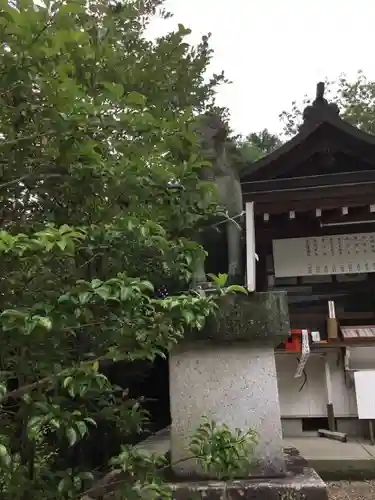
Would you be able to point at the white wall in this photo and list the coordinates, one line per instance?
(362, 357)
(312, 400)
(292, 402)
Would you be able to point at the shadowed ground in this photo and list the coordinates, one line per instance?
(345, 490)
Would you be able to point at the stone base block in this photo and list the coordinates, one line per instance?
(300, 483)
(307, 486)
(232, 385)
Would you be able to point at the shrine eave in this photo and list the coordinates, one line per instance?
(312, 138)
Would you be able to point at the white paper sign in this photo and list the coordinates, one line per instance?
(365, 392)
(324, 255)
(305, 354)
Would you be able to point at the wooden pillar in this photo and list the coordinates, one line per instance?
(250, 247)
(330, 409)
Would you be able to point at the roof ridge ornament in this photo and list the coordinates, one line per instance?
(320, 88)
(320, 110)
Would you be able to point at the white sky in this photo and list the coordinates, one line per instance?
(275, 51)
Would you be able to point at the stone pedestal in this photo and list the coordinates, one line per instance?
(227, 373)
(235, 385)
(300, 483)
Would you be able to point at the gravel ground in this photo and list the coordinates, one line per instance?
(347, 490)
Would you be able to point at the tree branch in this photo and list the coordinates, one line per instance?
(25, 138)
(111, 481)
(25, 177)
(21, 391)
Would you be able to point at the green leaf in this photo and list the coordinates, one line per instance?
(54, 423)
(96, 283)
(83, 388)
(45, 322)
(72, 8)
(84, 297)
(136, 98)
(81, 428)
(65, 298)
(71, 390)
(125, 293)
(62, 244)
(116, 89)
(34, 426)
(86, 475)
(219, 280)
(90, 420)
(188, 316)
(67, 382)
(64, 484)
(5, 458)
(7, 15)
(147, 285)
(236, 288)
(3, 390)
(13, 312)
(104, 292)
(71, 435)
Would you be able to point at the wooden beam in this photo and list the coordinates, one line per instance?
(311, 201)
(330, 408)
(305, 224)
(250, 247)
(337, 193)
(311, 181)
(371, 431)
(337, 436)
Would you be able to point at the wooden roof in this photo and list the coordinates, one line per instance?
(322, 132)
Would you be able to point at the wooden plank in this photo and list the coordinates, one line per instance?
(310, 199)
(371, 431)
(319, 347)
(301, 226)
(337, 436)
(330, 409)
(331, 417)
(312, 181)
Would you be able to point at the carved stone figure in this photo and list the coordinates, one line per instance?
(213, 135)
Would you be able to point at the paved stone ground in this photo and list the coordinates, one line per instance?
(313, 449)
(346, 490)
(316, 448)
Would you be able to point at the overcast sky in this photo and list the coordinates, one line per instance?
(276, 51)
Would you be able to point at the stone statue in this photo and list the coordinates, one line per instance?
(213, 135)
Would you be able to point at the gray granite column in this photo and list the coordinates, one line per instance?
(227, 372)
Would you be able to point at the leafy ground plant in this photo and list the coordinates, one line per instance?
(224, 453)
(221, 453)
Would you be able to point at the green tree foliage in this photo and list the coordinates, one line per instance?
(247, 150)
(355, 98)
(90, 111)
(264, 142)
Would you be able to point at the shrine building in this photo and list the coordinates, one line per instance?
(310, 221)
